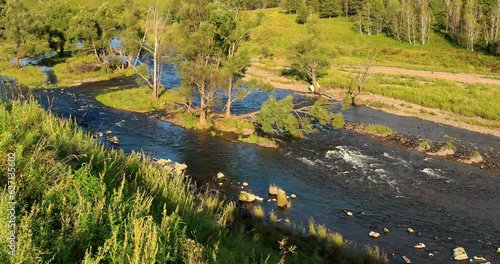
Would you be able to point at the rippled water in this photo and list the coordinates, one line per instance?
(331, 171)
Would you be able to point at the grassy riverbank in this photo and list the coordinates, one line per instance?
(78, 201)
(64, 72)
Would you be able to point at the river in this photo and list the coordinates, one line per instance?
(447, 203)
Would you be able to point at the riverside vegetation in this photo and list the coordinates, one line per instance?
(78, 201)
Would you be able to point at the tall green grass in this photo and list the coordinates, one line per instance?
(80, 202)
(278, 33)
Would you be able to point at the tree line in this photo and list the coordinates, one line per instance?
(469, 23)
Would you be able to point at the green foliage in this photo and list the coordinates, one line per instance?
(234, 124)
(379, 130)
(57, 14)
(302, 14)
(261, 141)
(23, 31)
(275, 117)
(279, 117)
(319, 112)
(310, 56)
(330, 8)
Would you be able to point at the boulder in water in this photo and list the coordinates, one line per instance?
(244, 184)
(374, 234)
(419, 246)
(273, 189)
(246, 197)
(293, 196)
(479, 259)
(460, 254)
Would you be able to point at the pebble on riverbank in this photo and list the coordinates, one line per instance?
(460, 254)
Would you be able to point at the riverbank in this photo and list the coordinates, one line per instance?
(108, 197)
(383, 103)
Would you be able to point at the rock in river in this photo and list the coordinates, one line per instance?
(460, 254)
(374, 234)
(419, 246)
(220, 175)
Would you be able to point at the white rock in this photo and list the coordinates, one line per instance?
(386, 230)
(287, 220)
(293, 196)
(406, 259)
(220, 175)
(258, 198)
(220, 183)
(374, 234)
(498, 250)
(419, 245)
(108, 132)
(479, 259)
(459, 254)
(274, 199)
(349, 213)
(409, 230)
(430, 254)
(245, 184)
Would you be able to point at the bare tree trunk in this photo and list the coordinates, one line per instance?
(229, 97)
(203, 106)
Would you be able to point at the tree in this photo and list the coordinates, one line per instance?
(282, 118)
(310, 57)
(95, 28)
(131, 32)
(57, 14)
(470, 23)
(203, 49)
(302, 14)
(329, 9)
(22, 29)
(291, 6)
(358, 79)
(236, 62)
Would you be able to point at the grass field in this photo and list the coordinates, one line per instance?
(279, 32)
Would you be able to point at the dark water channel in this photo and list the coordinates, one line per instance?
(449, 203)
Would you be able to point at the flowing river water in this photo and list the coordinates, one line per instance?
(447, 203)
